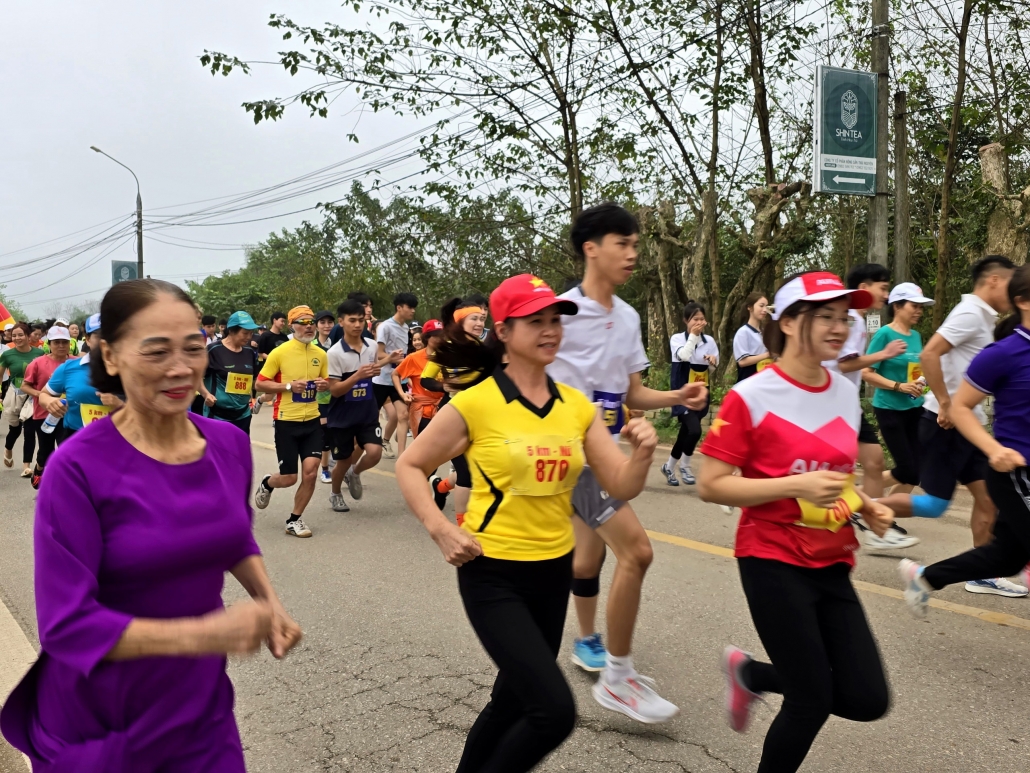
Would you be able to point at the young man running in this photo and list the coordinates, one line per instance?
(602, 355)
(355, 434)
(948, 458)
(325, 322)
(231, 369)
(392, 337)
(295, 372)
(874, 279)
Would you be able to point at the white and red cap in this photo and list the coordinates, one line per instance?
(818, 286)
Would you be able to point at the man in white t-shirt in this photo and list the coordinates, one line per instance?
(391, 338)
(948, 458)
(602, 355)
(853, 360)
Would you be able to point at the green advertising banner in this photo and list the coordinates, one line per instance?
(122, 271)
(845, 132)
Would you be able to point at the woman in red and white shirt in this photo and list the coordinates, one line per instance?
(792, 430)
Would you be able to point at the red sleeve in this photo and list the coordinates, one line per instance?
(729, 438)
(30, 374)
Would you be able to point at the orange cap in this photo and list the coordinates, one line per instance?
(299, 312)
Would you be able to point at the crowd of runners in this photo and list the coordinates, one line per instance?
(505, 416)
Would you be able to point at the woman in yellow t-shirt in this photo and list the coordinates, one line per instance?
(526, 440)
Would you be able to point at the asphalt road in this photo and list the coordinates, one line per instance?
(389, 676)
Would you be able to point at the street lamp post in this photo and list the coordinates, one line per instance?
(139, 213)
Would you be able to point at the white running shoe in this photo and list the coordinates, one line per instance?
(636, 698)
(257, 408)
(892, 540)
(998, 586)
(353, 481)
(388, 450)
(917, 589)
(297, 528)
(263, 494)
(728, 509)
(325, 476)
(338, 503)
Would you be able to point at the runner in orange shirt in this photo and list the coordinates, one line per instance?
(421, 401)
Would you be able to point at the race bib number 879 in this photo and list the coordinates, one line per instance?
(544, 465)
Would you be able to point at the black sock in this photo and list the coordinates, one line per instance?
(264, 482)
(293, 517)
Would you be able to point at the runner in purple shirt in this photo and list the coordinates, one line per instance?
(137, 521)
(1002, 369)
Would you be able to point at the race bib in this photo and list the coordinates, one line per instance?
(307, 395)
(915, 370)
(90, 413)
(763, 364)
(361, 391)
(239, 383)
(695, 376)
(544, 465)
(611, 410)
(831, 518)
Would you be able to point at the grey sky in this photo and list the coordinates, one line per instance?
(125, 77)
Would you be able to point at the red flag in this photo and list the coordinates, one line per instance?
(5, 317)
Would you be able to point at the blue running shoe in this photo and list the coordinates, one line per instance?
(670, 475)
(998, 586)
(589, 653)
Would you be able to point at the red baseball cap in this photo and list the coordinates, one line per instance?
(432, 326)
(525, 294)
(818, 286)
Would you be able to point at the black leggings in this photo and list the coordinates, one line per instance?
(462, 474)
(517, 609)
(28, 448)
(47, 441)
(900, 430)
(689, 434)
(1008, 552)
(824, 658)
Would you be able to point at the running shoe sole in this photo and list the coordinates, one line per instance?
(578, 662)
(262, 496)
(354, 485)
(610, 702)
(970, 588)
(292, 533)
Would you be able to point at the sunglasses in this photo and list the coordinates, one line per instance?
(307, 321)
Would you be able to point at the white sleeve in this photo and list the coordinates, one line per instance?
(959, 327)
(740, 347)
(687, 350)
(336, 364)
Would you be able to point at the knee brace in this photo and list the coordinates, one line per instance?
(926, 506)
(586, 589)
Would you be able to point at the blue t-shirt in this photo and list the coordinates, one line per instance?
(72, 380)
(1002, 369)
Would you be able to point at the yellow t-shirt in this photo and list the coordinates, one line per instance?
(293, 361)
(525, 462)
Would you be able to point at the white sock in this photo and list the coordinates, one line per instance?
(685, 463)
(618, 669)
(671, 464)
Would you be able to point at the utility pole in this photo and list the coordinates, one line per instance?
(139, 212)
(902, 226)
(881, 62)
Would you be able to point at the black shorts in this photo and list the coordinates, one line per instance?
(948, 459)
(384, 392)
(344, 438)
(297, 439)
(867, 432)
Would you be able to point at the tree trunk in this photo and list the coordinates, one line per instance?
(943, 235)
(1007, 232)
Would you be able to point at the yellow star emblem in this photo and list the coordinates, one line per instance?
(537, 282)
(717, 425)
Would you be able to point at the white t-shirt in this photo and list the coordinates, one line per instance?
(703, 345)
(969, 328)
(853, 347)
(393, 335)
(600, 350)
(747, 342)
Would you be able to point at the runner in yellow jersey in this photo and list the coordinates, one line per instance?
(526, 439)
(295, 372)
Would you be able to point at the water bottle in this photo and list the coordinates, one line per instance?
(50, 422)
(922, 383)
